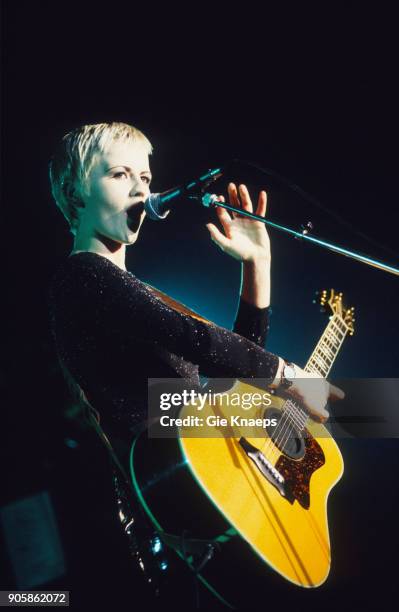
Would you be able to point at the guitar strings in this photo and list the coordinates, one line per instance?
(271, 447)
(288, 418)
(285, 422)
(293, 417)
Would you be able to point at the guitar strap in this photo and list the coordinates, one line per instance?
(90, 415)
(195, 552)
(94, 421)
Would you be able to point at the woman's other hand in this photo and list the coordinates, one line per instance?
(311, 390)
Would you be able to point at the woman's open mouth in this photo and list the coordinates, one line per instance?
(134, 215)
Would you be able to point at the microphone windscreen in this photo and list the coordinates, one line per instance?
(155, 208)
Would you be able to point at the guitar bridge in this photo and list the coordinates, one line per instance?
(267, 469)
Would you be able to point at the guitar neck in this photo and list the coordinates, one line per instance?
(327, 348)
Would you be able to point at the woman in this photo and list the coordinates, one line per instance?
(111, 330)
(103, 315)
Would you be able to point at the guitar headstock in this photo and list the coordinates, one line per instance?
(330, 300)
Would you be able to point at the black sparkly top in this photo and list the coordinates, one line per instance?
(113, 332)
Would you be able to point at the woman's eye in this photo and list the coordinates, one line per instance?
(146, 179)
(118, 175)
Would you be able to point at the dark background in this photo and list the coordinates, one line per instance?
(311, 96)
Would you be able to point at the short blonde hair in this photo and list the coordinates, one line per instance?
(74, 157)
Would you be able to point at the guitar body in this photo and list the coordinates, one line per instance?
(210, 488)
(289, 535)
(258, 493)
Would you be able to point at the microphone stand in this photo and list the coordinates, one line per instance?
(210, 201)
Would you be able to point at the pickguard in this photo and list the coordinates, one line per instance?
(297, 474)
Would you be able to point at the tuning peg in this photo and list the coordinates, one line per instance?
(306, 228)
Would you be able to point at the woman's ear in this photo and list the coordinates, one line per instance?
(73, 196)
(77, 202)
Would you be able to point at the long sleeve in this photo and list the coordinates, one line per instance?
(252, 322)
(122, 308)
(113, 333)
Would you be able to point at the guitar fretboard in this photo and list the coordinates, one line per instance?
(320, 361)
(323, 356)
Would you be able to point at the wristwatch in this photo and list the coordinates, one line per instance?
(288, 375)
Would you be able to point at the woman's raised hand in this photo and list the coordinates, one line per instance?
(244, 239)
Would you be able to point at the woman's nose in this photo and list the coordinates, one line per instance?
(137, 188)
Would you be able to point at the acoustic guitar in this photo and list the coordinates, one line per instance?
(259, 496)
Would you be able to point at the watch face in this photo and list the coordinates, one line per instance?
(289, 372)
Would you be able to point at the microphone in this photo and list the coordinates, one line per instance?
(158, 205)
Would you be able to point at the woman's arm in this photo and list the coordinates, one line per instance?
(248, 241)
(255, 282)
(111, 303)
(252, 322)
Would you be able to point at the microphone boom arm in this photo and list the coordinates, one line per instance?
(211, 201)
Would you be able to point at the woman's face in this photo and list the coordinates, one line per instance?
(118, 185)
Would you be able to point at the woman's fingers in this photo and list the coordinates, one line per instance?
(321, 416)
(217, 236)
(242, 199)
(233, 195)
(245, 199)
(223, 214)
(262, 204)
(235, 200)
(336, 393)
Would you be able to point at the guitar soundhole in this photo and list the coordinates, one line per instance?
(285, 435)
